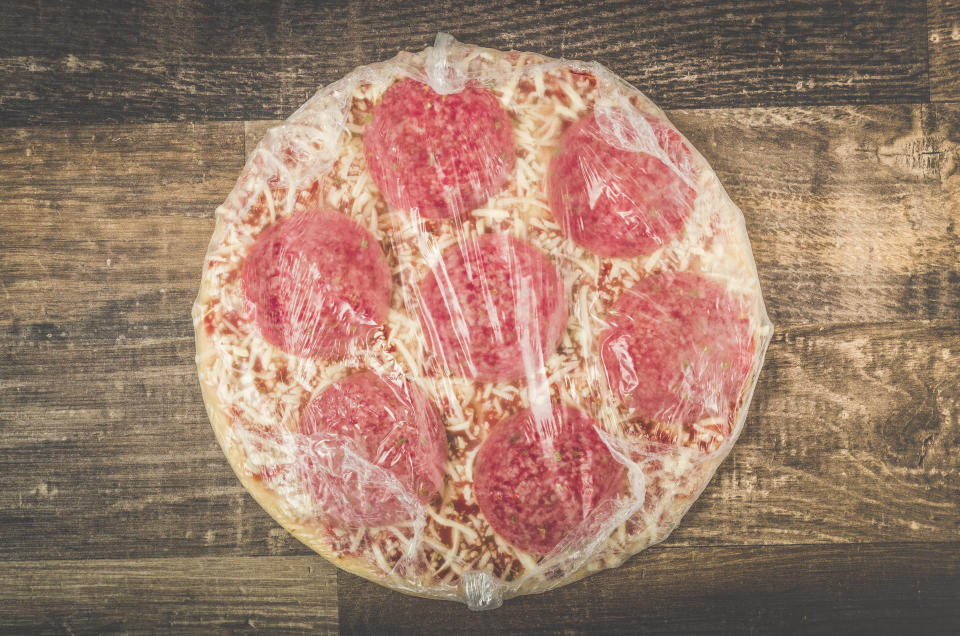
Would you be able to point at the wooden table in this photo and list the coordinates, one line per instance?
(835, 125)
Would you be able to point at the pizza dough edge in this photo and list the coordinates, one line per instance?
(313, 538)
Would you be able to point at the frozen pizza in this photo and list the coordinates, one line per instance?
(474, 324)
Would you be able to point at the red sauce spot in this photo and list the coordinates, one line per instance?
(445, 533)
(464, 509)
(208, 323)
(269, 474)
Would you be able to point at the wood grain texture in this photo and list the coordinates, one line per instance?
(115, 62)
(853, 212)
(852, 437)
(101, 408)
(119, 462)
(852, 434)
(855, 589)
(181, 170)
(943, 20)
(201, 595)
(109, 223)
(103, 231)
(838, 510)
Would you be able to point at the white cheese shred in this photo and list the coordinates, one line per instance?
(263, 390)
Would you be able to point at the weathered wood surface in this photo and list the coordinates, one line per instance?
(943, 20)
(101, 390)
(124, 327)
(852, 437)
(198, 595)
(119, 62)
(853, 212)
(838, 510)
(840, 589)
(110, 221)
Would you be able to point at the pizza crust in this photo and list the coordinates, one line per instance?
(309, 535)
(479, 588)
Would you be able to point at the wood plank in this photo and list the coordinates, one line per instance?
(108, 449)
(943, 20)
(814, 184)
(201, 595)
(853, 212)
(853, 589)
(182, 170)
(98, 376)
(109, 220)
(115, 62)
(123, 277)
(852, 437)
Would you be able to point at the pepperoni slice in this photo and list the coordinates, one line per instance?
(443, 155)
(678, 349)
(618, 202)
(393, 428)
(317, 282)
(538, 481)
(493, 309)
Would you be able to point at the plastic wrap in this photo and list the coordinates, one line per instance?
(474, 324)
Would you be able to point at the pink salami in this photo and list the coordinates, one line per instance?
(317, 283)
(617, 201)
(678, 349)
(494, 309)
(442, 155)
(538, 481)
(359, 432)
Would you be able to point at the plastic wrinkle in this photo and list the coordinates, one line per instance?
(386, 429)
(489, 300)
(475, 324)
(443, 74)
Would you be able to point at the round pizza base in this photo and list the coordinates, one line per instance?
(489, 591)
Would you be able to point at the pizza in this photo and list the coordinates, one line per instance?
(474, 324)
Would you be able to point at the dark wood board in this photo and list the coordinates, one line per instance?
(198, 595)
(853, 211)
(838, 135)
(943, 18)
(120, 62)
(124, 328)
(848, 589)
(851, 438)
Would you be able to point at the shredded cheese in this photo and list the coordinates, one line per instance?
(265, 388)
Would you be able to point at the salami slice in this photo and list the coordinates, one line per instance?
(372, 448)
(678, 349)
(317, 282)
(538, 481)
(442, 155)
(617, 201)
(494, 309)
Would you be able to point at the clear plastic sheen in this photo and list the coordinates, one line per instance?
(475, 324)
